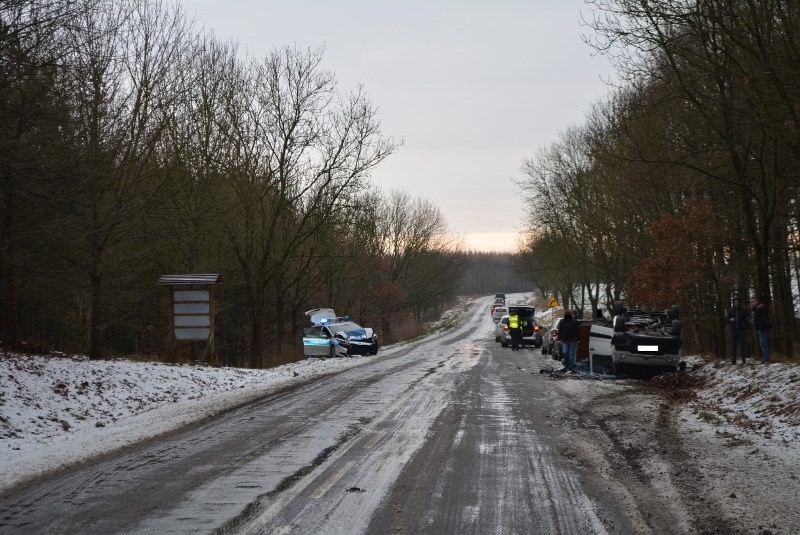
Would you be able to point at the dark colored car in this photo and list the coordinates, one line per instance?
(531, 331)
(647, 339)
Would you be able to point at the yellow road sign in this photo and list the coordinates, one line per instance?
(552, 302)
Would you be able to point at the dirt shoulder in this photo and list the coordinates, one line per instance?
(677, 456)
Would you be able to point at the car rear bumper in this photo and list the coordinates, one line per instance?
(644, 359)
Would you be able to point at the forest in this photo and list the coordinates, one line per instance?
(682, 186)
(133, 145)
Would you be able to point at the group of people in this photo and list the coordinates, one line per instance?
(740, 321)
(569, 332)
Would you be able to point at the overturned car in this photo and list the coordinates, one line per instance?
(650, 340)
(336, 336)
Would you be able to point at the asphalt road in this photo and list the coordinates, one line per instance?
(452, 434)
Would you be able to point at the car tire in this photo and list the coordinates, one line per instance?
(503, 344)
(675, 329)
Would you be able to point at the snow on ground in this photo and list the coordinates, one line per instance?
(56, 411)
(60, 410)
(764, 399)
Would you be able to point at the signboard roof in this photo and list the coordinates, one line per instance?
(190, 279)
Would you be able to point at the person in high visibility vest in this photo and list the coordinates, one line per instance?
(515, 330)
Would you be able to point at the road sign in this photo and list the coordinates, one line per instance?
(552, 302)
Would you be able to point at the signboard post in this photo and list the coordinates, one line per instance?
(191, 309)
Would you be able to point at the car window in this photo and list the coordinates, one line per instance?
(314, 332)
(504, 321)
(347, 326)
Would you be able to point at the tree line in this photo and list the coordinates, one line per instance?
(681, 186)
(133, 145)
(487, 273)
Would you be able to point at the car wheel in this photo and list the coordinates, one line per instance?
(503, 344)
(675, 329)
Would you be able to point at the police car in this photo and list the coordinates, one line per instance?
(336, 336)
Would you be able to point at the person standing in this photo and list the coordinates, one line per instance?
(762, 324)
(739, 320)
(515, 330)
(569, 331)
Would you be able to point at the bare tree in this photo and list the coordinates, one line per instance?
(734, 65)
(122, 86)
(301, 150)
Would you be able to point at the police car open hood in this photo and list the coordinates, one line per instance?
(357, 334)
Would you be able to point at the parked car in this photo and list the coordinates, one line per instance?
(501, 332)
(496, 304)
(336, 336)
(498, 313)
(550, 345)
(531, 330)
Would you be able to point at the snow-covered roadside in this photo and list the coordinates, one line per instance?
(56, 411)
(740, 433)
(764, 400)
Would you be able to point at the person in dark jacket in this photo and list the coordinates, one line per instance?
(739, 319)
(569, 331)
(762, 324)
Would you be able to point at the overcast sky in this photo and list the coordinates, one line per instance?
(472, 87)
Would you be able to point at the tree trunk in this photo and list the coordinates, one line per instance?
(782, 306)
(257, 349)
(96, 317)
(10, 325)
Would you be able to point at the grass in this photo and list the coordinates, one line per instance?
(710, 417)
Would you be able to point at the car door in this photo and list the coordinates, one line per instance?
(327, 335)
(313, 343)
